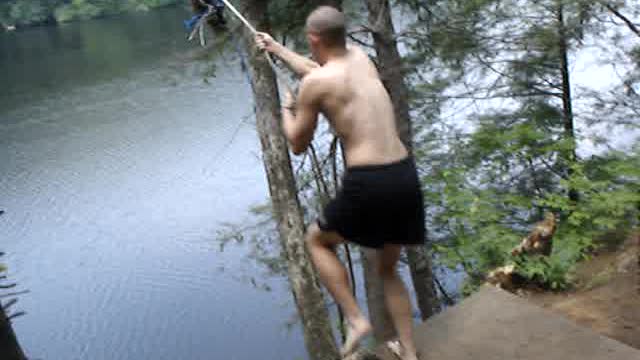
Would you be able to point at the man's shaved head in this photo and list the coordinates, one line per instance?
(329, 24)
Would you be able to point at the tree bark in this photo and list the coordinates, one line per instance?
(393, 76)
(383, 328)
(423, 282)
(567, 106)
(304, 283)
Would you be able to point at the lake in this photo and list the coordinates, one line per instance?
(119, 165)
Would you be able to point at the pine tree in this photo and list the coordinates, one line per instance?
(492, 174)
(9, 346)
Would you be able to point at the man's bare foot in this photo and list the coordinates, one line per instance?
(355, 332)
(398, 350)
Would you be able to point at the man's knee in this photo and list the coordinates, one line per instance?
(388, 261)
(317, 237)
(386, 270)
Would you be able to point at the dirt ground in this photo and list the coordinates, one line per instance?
(606, 297)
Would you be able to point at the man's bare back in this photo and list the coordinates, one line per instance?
(379, 204)
(348, 91)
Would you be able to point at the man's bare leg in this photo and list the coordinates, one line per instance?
(397, 300)
(333, 276)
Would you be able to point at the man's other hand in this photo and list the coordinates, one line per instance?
(264, 41)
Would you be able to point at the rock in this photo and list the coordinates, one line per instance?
(502, 277)
(626, 261)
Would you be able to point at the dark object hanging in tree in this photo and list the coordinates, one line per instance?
(212, 9)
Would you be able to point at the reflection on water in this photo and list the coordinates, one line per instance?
(117, 165)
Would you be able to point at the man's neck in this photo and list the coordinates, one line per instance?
(335, 54)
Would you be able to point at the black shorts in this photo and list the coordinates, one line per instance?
(377, 205)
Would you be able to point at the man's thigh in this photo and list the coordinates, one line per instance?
(317, 236)
(388, 258)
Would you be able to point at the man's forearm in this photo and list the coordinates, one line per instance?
(288, 127)
(287, 123)
(301, 65)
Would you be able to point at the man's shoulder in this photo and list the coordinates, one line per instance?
(319, 79)
(355, 49)
(319, 75)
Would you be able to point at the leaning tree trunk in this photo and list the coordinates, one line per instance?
(393, 77)
(304, 283)
(9, 346)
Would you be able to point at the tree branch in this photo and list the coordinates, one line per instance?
(13, 316)
(626, 20)
(447, 299)
(9, 304)
(359, 42)
(14, 294)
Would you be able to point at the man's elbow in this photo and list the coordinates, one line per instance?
(308, 67)
(298, 149)
(298, 146)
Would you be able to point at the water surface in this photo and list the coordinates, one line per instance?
(118, 165)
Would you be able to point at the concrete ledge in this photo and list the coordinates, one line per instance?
(496, 325)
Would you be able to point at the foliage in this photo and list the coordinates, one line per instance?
(477, 225)
(24, 12)
(553, 272)
(490, 172)
(77, 10)
(489, 100)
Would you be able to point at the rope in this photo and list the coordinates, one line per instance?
(237, 14)
(253, 30)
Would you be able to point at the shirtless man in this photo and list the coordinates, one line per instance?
(380, 203)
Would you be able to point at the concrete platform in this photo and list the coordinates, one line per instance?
(496, 325)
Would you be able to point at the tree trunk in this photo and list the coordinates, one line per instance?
(423, 281)
(383, 328)
(567, 107)
(393, 77)
(9, 347)
(304, 283)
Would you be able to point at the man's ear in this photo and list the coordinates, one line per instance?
(314, 39)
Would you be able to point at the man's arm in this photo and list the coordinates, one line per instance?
(299, 127)
(301, 65)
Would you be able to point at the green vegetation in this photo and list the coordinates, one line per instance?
(499, 121)
(30, 12)
(490, 176)
(499, 137)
